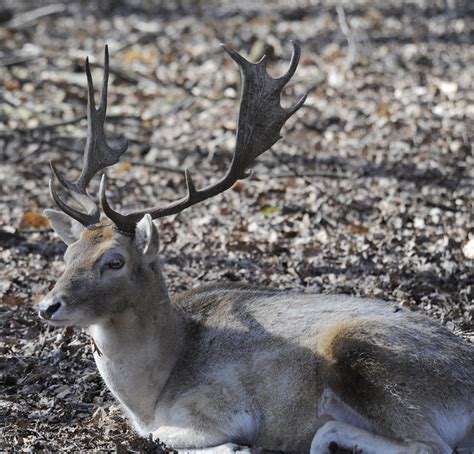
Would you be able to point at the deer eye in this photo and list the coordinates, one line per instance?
(116, 263)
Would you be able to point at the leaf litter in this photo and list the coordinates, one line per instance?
(369, 193)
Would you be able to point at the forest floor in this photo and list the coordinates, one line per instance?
(368, 193)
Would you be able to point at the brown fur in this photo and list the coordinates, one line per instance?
(392, 375)
(100, 232)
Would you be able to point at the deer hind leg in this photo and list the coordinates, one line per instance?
(359, 440)
(348, 430)
(352, 431)
(353, 438)
(363, 398)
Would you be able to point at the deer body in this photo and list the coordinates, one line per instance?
(254, 368)
(234, 364)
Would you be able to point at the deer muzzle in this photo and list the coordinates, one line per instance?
(51, 309)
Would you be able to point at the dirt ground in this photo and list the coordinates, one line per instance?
(369, 192)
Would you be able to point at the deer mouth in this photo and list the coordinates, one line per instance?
(55, 322)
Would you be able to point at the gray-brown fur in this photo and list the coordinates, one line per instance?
(390, 365)
(233, 363)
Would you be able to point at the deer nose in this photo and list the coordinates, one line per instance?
(49, 308)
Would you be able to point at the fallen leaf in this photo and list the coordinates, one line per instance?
(124, 167)
(268, 211)
(238, 186)
(383, 109)
(12, 85)
(359, 229)
(12, 300)
(31, 219)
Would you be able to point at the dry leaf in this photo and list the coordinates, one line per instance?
(12, 300)
(139, 55)
(384, 109)
(31, 219)
(12, 85)
(124, 167)
(238, 186)
(359, 229)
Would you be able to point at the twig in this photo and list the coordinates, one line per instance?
(18, 59)
(296, 174)
(66, 123)
(10, 102)
(51, 125)
(142, 38)
(127, 75)
(352, 50)
(440, 206)
(163, 167)
(31, 17)
(168, 168)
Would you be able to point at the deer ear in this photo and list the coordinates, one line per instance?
(64, 225)
(146, 237)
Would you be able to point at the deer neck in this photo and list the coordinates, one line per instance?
(137, 350)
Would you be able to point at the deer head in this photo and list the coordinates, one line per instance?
(110, 262)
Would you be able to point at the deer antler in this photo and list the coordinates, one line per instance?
(97, 154)
(261, 118)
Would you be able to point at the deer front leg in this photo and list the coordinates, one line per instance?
(207, 416)
(179, 438)
(228, 448)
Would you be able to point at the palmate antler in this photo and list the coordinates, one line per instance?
(261, 118)
(97, 154)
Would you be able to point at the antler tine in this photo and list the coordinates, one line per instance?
(97, 153)
(84, 219)
(105, 83)
(295, 59)
(241, 61)
(125, 223)
(261, 118)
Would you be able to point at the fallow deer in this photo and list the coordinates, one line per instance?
(233, 365)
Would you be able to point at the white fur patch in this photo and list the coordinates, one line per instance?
(453, 427)
(350, 437)
(242, 426)
(146, 236)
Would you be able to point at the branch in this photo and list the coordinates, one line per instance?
(31, 17)
(296, 174)
(163, 167)
(51, 125)
(352, 50)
